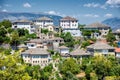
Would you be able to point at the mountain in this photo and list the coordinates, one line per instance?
(30, 16)
(114, 23)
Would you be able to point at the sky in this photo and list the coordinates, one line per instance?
(86, 11)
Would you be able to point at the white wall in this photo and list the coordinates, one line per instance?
(62, 51)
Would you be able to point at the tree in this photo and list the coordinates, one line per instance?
(69, 65)
(69, 41)
(6, 23)
(45, 31)
(110, 37)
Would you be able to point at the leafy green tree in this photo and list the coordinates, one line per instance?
(69, 65)
(110, 37)
(85, 44)
(6, 24)
(45, 31)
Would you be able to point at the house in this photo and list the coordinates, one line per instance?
(43, 21)
(102, 28)
(99, 48)
(79, 53)
(36, 56)
(63, 50)
(117, 52)
(37, 43)
(73, 31)
(69, 24)
(117, 34)
(24, 24)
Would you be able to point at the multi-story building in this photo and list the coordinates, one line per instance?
(102, 28)
(36, 56)
(69, 24)
(43, 22)
(24, 24)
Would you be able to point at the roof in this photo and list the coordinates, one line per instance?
(100, 45)
(68, 18)
(22, 46)
(79, 52)
(117, 50)
(97, 25)
(44, 18)
(23, 20)
(36, 51)
(36, 41)
(63, 47)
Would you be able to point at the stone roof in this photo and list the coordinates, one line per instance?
(36, 51)
(23, 20)
(44, 18)
(63, 47)
(79, 52)
(100, 45)
(36, 41)
(22, 46)
(97, 25)
(67, 18)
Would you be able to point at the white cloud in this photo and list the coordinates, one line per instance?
(91, 5)
(113, 3)
(92, 15)
(7, 5)
(108, 15)
(26, 5)
(4, 10)
(55, 13)
(95, 5)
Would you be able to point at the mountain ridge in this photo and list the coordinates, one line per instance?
(28, 15)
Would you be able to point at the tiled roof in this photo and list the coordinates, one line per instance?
(117, 50)
(78, 52)
(68, 18)
(63, 47)
(36, 40)
(44, 18)
(36, 51)
(24, 20)
(100, 45)
(22, 45)
(97, 25)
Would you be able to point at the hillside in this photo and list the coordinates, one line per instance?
(14, 16)
(114, 23)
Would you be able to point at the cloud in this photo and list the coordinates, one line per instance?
(7, 5)
(55, 13)
(95, 5)
(92, 15)
(113, 3)
(108, 15)
(26, 5)
(4, 10)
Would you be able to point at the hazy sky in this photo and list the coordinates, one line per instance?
(86, 11)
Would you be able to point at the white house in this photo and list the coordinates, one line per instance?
(43, 21)
(36, 56)
(102, 28)
(63, 50)
(24, 24)
(68, 22)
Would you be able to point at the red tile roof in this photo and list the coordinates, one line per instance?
(117, 50)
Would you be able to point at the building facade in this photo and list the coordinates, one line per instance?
(24, 24)
(43, 22)
(68, 22)
(36, 56)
